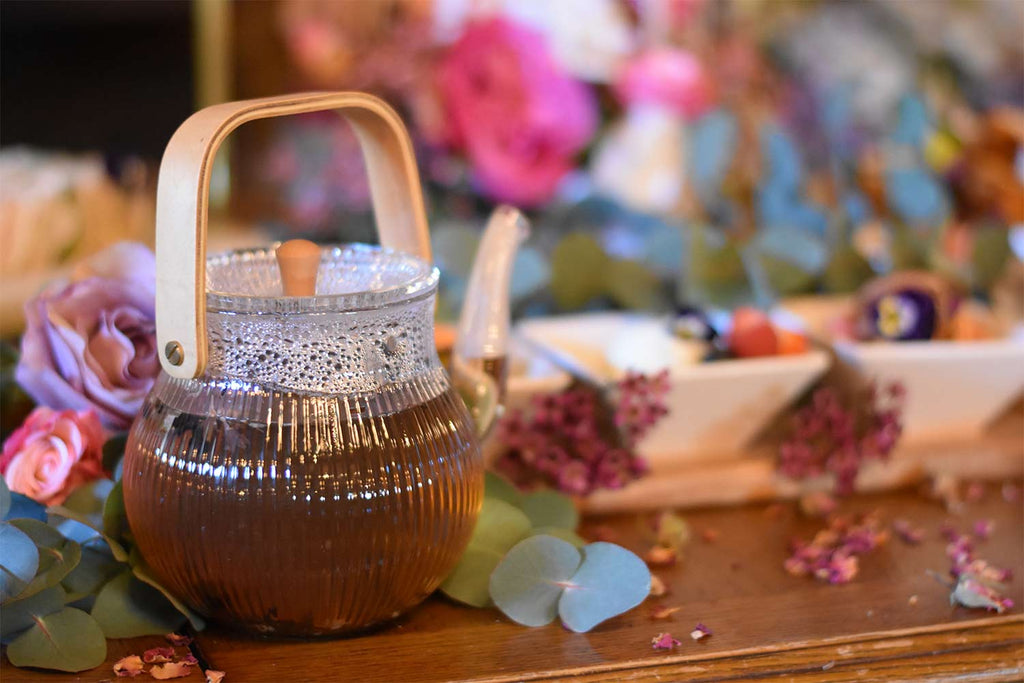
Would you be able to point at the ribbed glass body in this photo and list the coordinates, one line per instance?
(322, 476)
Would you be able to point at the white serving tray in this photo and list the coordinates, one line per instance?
(715, 409)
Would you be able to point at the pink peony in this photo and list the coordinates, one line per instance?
(52, 453)
(519, 119)
(666, 77)
(92, 343)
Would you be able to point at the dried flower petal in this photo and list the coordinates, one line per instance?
(664, 641)
(178, 640)
(213, 676)
(660, 556)
(658, 587)
(157, 655)
(831, 556)
(700, 631)
(983, 528)
(907, 533)
(189, 659)
(818, 504)
(975, 492)
(128, 667)
(672, 530)
(163, 672)
(1011, 492)
(709, 535)
(663, 612)
(912, 600)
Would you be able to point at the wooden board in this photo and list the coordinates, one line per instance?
(766, 623)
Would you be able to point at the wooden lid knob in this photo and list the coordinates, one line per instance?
(299, 261)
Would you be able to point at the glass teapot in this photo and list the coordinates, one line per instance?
(304, 465)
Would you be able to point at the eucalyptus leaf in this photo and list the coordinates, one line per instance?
(550, 508)
(495, 486)
(143, 573)
(578, 267)
(23, 507)
(126, 608)
(88, 499)
(96, 568)
(19, 562)
(119, 552)
(528, 583)
(633, 285)
(68, 640)
(113, 451)
(19, 615)
(57, 555)
(564, 534)
(5, 498)
(611, 580)
(115, 522)
(499, 527)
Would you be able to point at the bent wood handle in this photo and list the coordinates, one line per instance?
(183, 190)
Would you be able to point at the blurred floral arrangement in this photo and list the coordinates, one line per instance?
(688, 151)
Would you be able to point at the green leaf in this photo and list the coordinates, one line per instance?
(528, 583)
(847, 271)
(115, 521)
(991, 251)
(20, 614)
(23, 507)
(57, 555)
(564, 534)
(611, 580)
(113, 451)
(97, 567)
(550, 508)
(127, 608)
(143, 573)
(68, 640)
(19, 563)
(578, 268)
(89, 499)
(5, 498)
(633, 285)
(499, 527)
(785, 278)
(495, 486)
(119, 552)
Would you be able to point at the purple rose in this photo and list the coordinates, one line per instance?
(92, 343)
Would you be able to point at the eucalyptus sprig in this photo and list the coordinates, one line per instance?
(70, 578)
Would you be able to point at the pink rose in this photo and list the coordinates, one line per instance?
(92, 343)
(52, 453)
(667, 77)
(519, 119)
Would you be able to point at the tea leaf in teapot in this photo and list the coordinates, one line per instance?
(547, 508)
(578, 268)
(495, 486)
(499, 527)
(144, 574)
(19, 563)
(611, 580)
(57, 555)
(21, 614)
(68, 640)
(528, 583)
(565, 534)
(126, 608)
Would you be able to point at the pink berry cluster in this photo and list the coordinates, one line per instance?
(828, 437)
(579, 440)
(978, 584)
(832, 555)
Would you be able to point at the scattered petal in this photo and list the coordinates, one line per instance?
(912, 600)
(663, 612)
(907, 533)
(975, 492)
(163, 672)
(700, 631)
(128, 667)
(832, 555)
(946, 488)
(178, 640)
(213, 676)
(1011, 492)
(827, 666)
(658, 587)
(158, 655)
(672, 530)
(664, 641)
(660, 556)
(983, 529)
(818, 504)
(189, 659)
(709, 535)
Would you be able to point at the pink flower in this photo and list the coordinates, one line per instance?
(667, 77)
(92, 343)
(519, 119)
(52, 453)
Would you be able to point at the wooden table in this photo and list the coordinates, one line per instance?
(766, 623)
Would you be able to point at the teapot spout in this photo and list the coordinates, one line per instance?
(479, 359)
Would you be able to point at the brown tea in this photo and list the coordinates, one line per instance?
(334, 514)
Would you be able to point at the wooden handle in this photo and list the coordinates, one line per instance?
(183, 191)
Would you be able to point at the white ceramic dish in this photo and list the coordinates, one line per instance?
(715, 408)
(954, 388)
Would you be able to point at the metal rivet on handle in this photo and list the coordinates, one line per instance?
(174, 353)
